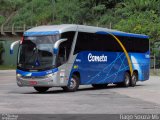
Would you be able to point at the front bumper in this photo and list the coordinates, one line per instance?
(44, 81)
(48, 78)
(32, 81)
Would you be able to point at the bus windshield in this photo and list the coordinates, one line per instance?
(36, 53)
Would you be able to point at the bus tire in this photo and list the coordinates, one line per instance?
(99, 86)
(134, 79)
(41, 89)
(127, 79)
(73, 85)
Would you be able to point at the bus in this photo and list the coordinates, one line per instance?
(70, 55)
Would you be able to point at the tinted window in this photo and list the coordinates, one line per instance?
(68, 44)
(95, 42)
(65, 47)
(99, 42)
(133, 44)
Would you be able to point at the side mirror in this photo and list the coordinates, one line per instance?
(12, 46)
(56, 45)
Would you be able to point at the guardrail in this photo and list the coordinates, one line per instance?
(13, 29)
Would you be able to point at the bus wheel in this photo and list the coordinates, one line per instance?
(99, 86)
(73, 84)
(41, 89)
(127, 78)
(134, 79)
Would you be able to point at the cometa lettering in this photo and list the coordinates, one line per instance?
(92, 58)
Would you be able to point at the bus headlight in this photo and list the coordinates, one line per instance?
(19, 75)
(50, 75)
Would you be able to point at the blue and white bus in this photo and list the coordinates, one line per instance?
(70, 55)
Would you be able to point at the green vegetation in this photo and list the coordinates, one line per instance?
(2, 19)
(1, 52)
(154, 72)
(7, 67)
(137, 16)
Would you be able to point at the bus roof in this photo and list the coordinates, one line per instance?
(58, 29)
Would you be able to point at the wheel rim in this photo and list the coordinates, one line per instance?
(134, 79)
(72, 83)
(127, 80)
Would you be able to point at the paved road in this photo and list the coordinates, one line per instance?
(144, 98)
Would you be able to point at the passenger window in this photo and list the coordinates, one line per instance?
(62, 54)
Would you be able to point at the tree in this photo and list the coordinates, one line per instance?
(143, 23)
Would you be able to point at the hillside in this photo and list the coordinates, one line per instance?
(137, 16)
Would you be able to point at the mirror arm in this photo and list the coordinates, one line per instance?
(12, 46)
(56, 45)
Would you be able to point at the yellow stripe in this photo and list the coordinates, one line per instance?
(125, 51)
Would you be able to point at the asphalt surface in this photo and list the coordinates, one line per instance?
(144, 98)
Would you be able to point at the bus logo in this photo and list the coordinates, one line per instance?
(92, 58)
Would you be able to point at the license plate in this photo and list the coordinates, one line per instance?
(33, 82)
